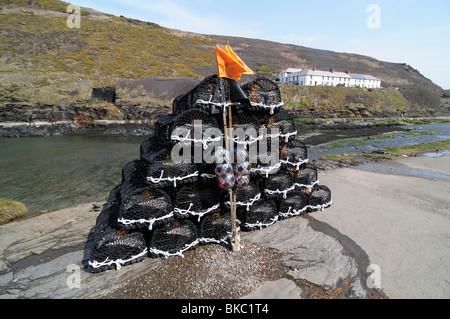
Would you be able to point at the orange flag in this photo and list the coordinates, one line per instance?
(229, 65)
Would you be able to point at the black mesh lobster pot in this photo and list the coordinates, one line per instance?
(168, 173)
(145, 208)
(319, 198)
(281, 123)
(261, 215)
(245, 130)
(186, 122)
(215, 228)
(205, 95)
(306, 176)
(133, 170)
(293, 205)
(246, 196)
(264, 95)
(154, 149)
(278, 185)
(293, 154)
(192, 201)
(174, 238)
(113, 246)
(163, 127)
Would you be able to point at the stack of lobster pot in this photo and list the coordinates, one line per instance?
(175, 196)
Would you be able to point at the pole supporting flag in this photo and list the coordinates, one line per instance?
(230, 66)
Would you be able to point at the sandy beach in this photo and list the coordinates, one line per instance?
(402, 223)
(399, 222)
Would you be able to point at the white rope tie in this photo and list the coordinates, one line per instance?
(250, 141)
(222, 105)
(301, 211)
(178, 253)
(261, 224)
(296, 164)
(271, 107)
(199, 214)
(249, 203)
(286, 136)
(170, 179)
(150, 221)
(118, 262)
(206, 175)
(266, 170)
(204, 142)
(291, 188)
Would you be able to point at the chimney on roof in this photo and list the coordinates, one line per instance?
(332, 70)
(346, 71)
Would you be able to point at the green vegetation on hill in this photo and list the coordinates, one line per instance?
(343, 101)
(44, 62)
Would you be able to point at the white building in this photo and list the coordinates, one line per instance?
(328, 78)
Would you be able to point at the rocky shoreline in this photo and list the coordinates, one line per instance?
(118, 119)
(141, 126)
(71, 128)
(321, 255)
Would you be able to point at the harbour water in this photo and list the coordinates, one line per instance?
(48, 173)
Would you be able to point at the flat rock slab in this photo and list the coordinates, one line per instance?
(46, 257)
(278, 289)
(310, 255)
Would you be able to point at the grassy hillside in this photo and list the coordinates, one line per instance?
(42, 61)
(343, 102)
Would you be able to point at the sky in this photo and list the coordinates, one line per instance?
(415, 32)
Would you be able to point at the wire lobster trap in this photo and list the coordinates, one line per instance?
(293, 154)
(215, 228)
(279, 185)
(133, 170)
(154, 149)
(261, 215)
(171, 174)
(114, 247)
(246, 196)
(174, 238)
(145, 208)
(195, 127)
(281, 125)
(306, 176)
(293, 205)
(205, 95)
(245, 130)
(319, 198)
(163, 127)
(192, 201)
(264, 95)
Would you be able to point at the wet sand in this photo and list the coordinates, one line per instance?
(402, 222)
